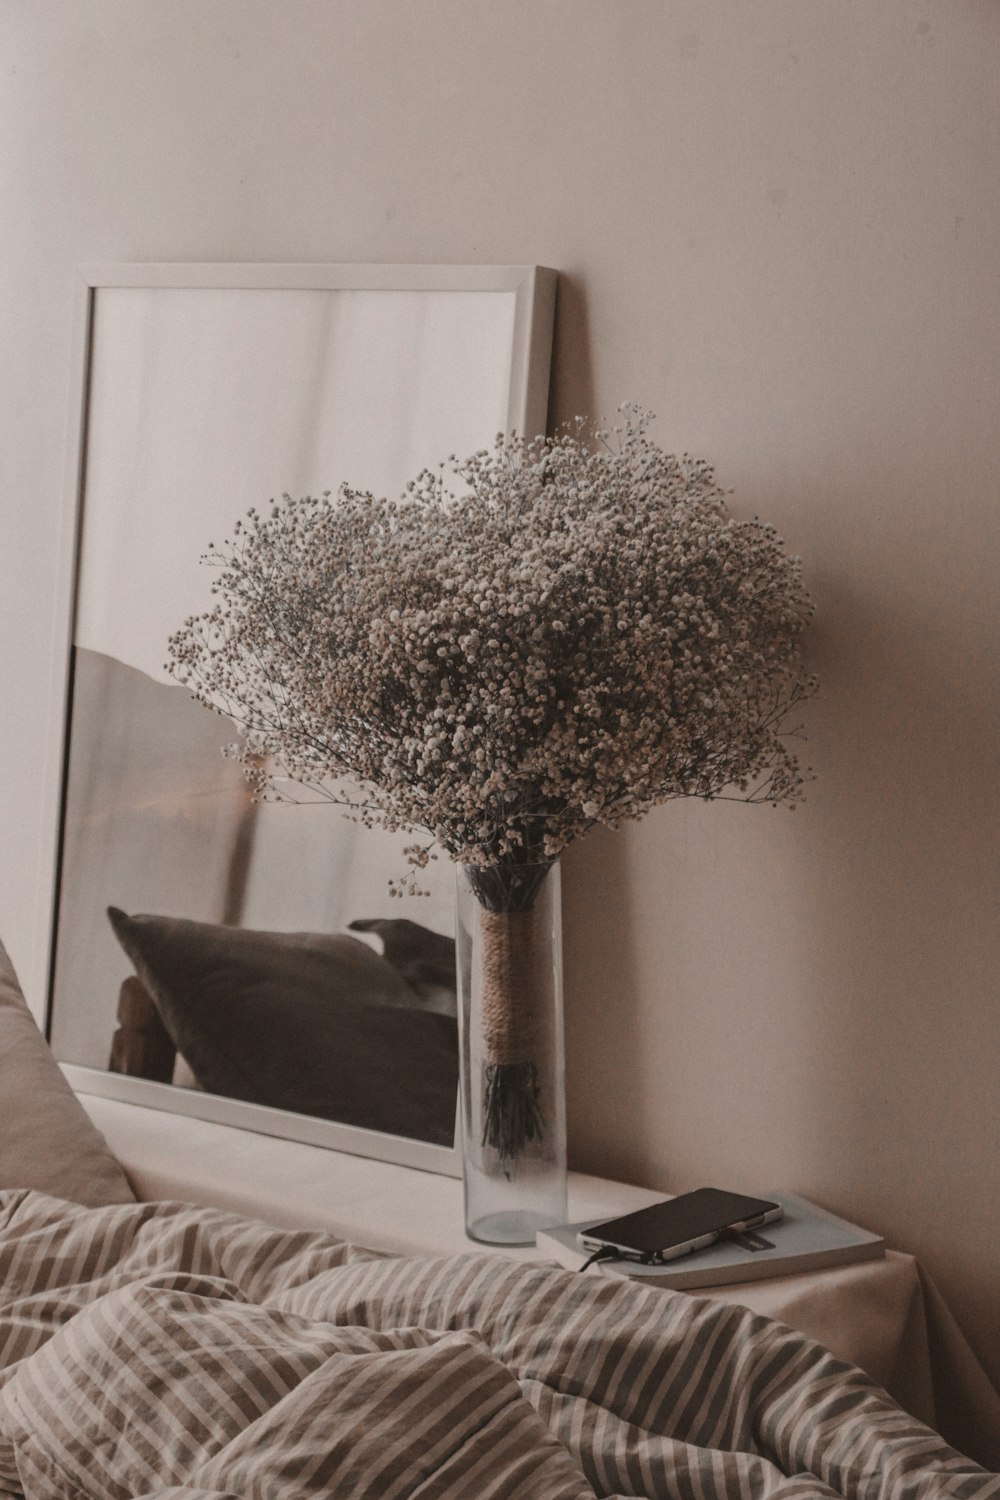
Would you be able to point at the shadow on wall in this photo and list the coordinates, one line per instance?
(904, 910)
(571, 384)
(603, 1031)
(603, 1024)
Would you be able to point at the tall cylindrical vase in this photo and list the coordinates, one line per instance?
(512, 1071)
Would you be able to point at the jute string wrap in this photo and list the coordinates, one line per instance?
(512, 969)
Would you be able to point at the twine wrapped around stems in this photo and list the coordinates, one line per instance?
(510, 968)
(515, 970)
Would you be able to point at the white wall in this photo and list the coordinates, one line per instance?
(776, 227)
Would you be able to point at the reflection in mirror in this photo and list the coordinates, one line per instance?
(203, 942)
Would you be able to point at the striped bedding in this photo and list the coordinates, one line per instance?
(159, 1350)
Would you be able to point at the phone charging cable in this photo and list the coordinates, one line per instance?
(606, 1252)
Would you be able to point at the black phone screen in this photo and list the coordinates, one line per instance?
(705, 1211)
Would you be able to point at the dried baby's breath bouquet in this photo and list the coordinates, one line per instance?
(577, 632)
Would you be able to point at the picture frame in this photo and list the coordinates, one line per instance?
(198, 390)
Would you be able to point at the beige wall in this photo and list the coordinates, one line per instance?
(777, 227)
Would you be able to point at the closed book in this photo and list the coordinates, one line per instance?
(806, 1238)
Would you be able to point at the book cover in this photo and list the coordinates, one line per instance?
(807, 1238)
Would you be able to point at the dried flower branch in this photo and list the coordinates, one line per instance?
(580, 633)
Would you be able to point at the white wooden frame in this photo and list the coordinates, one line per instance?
(534, 289)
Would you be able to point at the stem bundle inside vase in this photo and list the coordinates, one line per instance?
(515, 970)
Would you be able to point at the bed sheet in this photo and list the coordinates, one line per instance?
(160, 1350)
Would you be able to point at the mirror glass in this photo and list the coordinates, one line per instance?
(241, 960)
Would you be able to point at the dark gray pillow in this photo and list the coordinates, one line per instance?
(425, 959)
(47, 1141)
(320, 1025)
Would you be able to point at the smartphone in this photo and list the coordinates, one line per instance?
(674, 1228)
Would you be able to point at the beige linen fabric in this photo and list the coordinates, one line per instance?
(871, 1314)
(888, 1317)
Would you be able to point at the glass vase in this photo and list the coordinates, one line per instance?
(512, 1070)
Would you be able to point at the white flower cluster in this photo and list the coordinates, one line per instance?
(577, 634)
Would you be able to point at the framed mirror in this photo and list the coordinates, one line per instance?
(204, 953)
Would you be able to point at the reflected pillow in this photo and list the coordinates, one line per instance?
(425, 959)
(321, 1025)
(47, 1141)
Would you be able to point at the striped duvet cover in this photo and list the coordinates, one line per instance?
(158, 1350)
